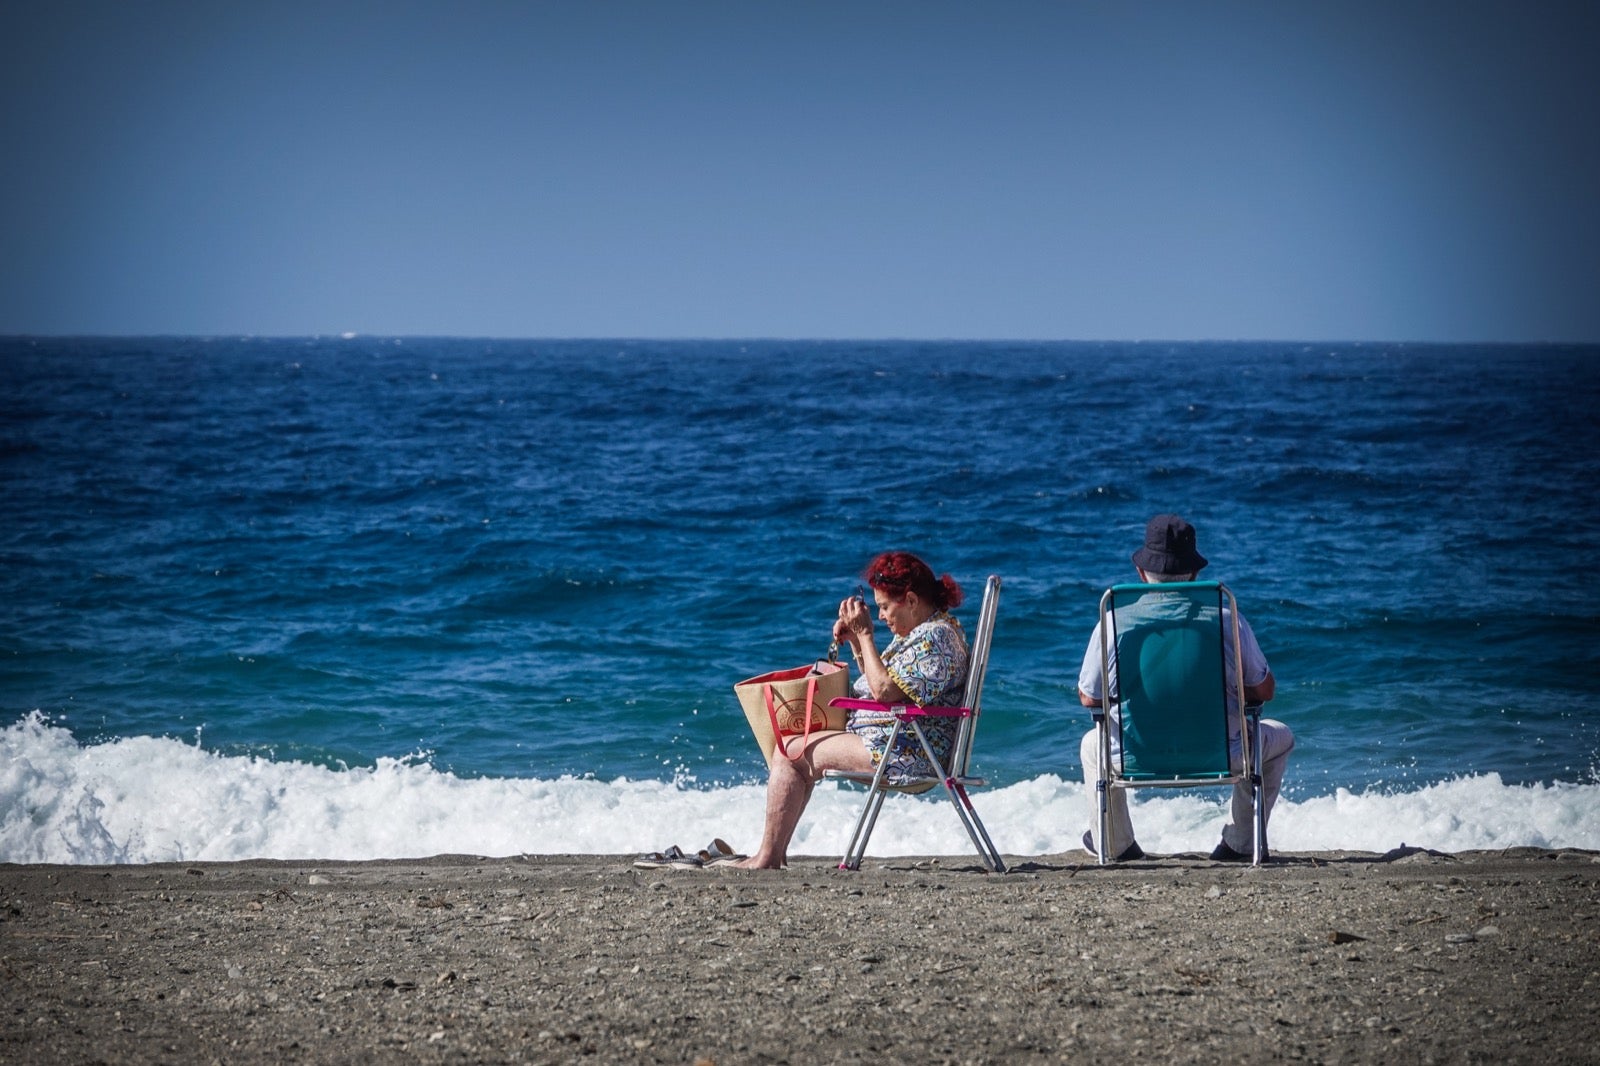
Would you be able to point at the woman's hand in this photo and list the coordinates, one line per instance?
(854, 623)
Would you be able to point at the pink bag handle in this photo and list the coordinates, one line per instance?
(772, 716)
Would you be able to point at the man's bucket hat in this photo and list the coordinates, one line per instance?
(1169, 547)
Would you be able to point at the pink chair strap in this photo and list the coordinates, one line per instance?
(899, 710)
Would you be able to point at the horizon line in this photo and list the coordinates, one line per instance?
(349, 335)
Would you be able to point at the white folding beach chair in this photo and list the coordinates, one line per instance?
(1176, 702)
(955, 779)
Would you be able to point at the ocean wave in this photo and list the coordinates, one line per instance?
(147, 799)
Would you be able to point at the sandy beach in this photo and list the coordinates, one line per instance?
(1413, 956)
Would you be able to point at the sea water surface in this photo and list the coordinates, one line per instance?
(365, 597)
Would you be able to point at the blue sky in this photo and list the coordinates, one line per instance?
(1378, 171)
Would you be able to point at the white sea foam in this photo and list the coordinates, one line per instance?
(141, 799)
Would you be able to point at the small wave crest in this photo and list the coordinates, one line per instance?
(146, 799)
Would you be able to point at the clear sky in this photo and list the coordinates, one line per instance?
(1341, 170)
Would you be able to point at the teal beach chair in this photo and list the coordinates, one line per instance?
(1174, 693)
(956, 779)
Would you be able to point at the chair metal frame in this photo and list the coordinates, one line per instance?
(955, 779)
(1248, 715)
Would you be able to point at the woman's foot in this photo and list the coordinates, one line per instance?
(759, 862)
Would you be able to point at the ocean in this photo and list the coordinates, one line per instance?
(368, 597)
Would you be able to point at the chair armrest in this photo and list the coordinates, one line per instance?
(899, 710)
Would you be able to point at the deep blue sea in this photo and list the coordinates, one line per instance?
(352, 597)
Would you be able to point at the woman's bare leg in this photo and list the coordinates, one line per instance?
(789, 785)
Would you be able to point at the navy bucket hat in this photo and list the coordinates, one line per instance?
(1169, 547)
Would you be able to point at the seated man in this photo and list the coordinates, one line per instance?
(1169, 554)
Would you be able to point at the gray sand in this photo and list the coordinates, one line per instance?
(1408, 957)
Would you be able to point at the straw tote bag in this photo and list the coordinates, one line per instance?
(793, 703)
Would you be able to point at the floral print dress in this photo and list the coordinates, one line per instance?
(930, 666)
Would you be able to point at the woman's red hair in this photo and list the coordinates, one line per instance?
(898, 573)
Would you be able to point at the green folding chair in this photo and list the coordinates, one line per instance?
(955, 778)
(1170, 700)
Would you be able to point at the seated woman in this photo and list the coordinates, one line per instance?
(925, 663)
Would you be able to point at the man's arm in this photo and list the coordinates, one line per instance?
(1089, 674)
(1262, 690)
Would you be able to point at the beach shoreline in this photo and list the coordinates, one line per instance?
(1341, 956)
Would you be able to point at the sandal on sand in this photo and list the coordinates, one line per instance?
(674, 857)
(717, 853)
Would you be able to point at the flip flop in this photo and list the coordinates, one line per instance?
(717, 853)
(675, 857)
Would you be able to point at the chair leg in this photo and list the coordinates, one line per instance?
(1102, 786)
(964, 810)
(1257, 800)
(1105, 821)
(974, 826)
(869, 813)
(864, 825)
